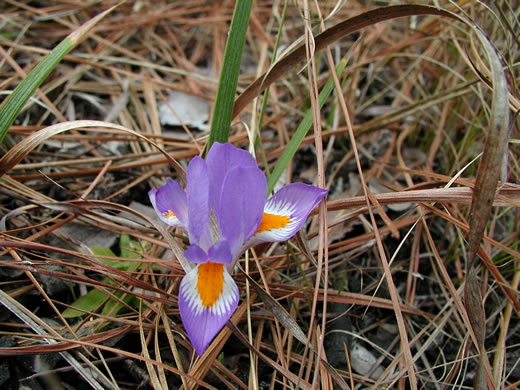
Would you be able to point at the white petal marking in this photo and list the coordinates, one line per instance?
(281, 208)
(221, 306)
(171, 219)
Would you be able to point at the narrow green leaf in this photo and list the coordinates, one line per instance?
(14, 102)
(11, 106)
(108, 253)
(109, 309)
(130, 248)
(301, 132)
(96, 297)
(92, 300)
(87, 303)
(227, 86)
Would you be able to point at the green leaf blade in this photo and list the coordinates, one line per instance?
(14, 103)
(300, 133)
(225, 100)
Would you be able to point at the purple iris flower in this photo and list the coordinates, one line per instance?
(225, 212)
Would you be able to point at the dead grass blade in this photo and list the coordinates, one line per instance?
(326, 38)
(173, 345)
(292, 326)
(488, 174)
(23, 312)
(495, 150)
(506, 196)
(300, 383)
(508, 290)
(322, 268)
(42, 329)
(22, 149)
(154, 376)
(61, 346)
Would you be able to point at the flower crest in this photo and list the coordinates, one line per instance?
(229, 190)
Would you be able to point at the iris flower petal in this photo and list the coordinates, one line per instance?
(220, 252)
(197, 193)
(221, 159)
(195, 254)
(285, 212)
(208, 296)
(169, 202)
(241, 206)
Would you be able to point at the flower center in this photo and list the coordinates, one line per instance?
(210, 283)
(272, 221)
(169, 214)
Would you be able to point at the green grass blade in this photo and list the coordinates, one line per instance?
(227, 85)
(12, 106)
(301, 132)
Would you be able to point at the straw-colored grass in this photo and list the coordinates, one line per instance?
(381, 289)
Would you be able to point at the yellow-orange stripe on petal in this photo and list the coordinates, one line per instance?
(272, 222)
(210, 283)
(169, 214)
(202, 322)
(208, 287)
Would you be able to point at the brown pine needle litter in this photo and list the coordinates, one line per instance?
(406, 277)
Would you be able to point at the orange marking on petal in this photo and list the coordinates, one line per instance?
(272, 221)
(169, 214)
(210, 282)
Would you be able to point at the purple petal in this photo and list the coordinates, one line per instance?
(221, 159)
(241, 206)
(287, 210)
(195, 254)
(197, 191)
(203, 323)
(169, 202)
(220, 252)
